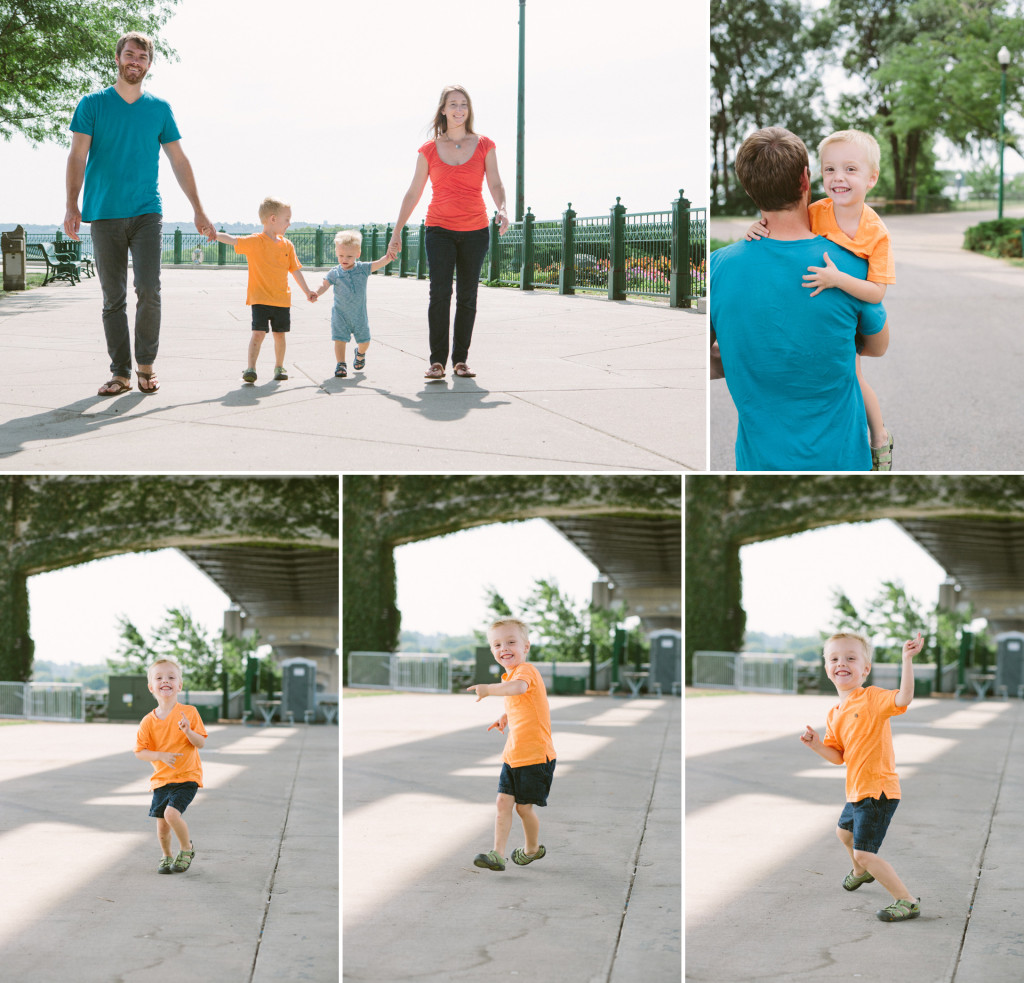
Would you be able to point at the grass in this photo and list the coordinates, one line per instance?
(32, 281)
(692, 692)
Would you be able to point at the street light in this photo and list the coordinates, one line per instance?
(1004, 60)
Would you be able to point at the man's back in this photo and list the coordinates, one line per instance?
(789, 358)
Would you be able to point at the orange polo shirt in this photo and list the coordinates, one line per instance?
(529, 720)
(859, 730)
(872, 241)
(165, 735)
(270, 261)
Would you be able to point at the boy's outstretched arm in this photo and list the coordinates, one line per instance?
(311, 295)
(910, 649)
(829, 275)
(810, 738)
(385, 259)
(514, 687)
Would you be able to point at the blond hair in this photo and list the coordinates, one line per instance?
(271, 206)
(161, 661)
(856, 636)
(501, 622)
(863, 141)
(440, 121)
(347, 237)
(770, 165)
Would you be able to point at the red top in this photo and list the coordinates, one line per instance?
(457, 202)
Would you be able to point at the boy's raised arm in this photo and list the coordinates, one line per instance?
(910, 649)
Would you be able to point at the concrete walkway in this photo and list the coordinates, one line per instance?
(78, 857)
(564, 383)
(764, 870)
(949, 385)
(604, 906)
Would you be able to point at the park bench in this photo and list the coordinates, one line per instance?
(59, 265)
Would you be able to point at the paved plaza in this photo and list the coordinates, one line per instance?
(564, 383)
(764, 869)
(948, 383)
(78, 858)
(420, 781)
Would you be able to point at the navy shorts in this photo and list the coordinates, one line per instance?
(868, 820)
(279, 318)
(176, 794)
(530, 784)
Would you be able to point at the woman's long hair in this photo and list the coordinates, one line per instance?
(439, 122)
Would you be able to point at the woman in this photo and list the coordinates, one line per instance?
(456, 160)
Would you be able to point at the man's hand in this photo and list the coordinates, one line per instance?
(481, 690)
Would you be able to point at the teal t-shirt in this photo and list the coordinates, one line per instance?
(124, 157)
(789, 358)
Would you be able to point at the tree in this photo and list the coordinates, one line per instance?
(202, 658)
(759, 77)
(53, 52)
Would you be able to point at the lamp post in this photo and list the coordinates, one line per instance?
(1004, 60)
(521, 114)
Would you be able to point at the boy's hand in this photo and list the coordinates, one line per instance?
(391, 253)
(481, 690)
(312, 295)
(822, 277)
(759, 230)
(501, 723)
(911, 648)
(183, 724)
(810, 736)
(168, 757)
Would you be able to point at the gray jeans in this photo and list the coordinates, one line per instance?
(112, 240)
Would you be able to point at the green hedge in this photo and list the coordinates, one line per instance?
(1000, 237)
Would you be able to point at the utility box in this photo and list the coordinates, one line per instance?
(129, 698)
(298, 687)
(13, 244)
(666, 660)
(1010, 661)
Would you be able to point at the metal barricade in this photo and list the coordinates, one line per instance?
(417, 672)
(43, 701)
(752, 672)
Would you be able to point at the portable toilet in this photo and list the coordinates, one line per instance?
(298, 687)
(666, 660)
(1010, 661)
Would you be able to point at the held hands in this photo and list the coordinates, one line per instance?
(312, 296)
(393, 250)
(395, 245)
(501, 723)
(822, 277)
(481, 690)
(913, 647)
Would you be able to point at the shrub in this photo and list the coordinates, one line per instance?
(1000, 237)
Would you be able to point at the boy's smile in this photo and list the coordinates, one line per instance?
(846, 664)
(508, 647)
(845, 174)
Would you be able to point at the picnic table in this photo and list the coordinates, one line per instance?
(635, 680)
(981, 681)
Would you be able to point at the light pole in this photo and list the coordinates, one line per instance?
(521, 114)
(1004, 60)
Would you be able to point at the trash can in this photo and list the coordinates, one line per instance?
(13, 244)
(298, 688)
(208, 713)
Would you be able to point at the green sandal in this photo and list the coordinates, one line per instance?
(881, 457)
(166, 866)
(492, 860)
(521, 858)
(183, 860)
(853, 881)
(900, 911)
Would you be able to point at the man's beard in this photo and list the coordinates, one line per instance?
(122, 69)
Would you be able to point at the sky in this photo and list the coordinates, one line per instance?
(325, 104)
(442, 581)
(788, 582)
(74, 611)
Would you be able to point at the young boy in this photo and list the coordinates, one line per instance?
(850, 161)
(858, 735)
(271, 258)
(348, 315)
(529, 757)
(170, 737)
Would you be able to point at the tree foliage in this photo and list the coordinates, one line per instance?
(202, 657)
(53, 52)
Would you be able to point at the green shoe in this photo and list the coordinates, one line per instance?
(249, 375)
(881, 457)
(853, 881)
(166, 866)
(900, 911)
(280, 374)
(491, 860)
(183, 860)
(525, 858)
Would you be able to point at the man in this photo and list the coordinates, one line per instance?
(789, 357)
(115, 149)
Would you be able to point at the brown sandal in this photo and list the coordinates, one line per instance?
(150, 377)
(436, 371)
(464, 371)
(119, 387)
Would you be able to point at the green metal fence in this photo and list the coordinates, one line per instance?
(647, 254)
